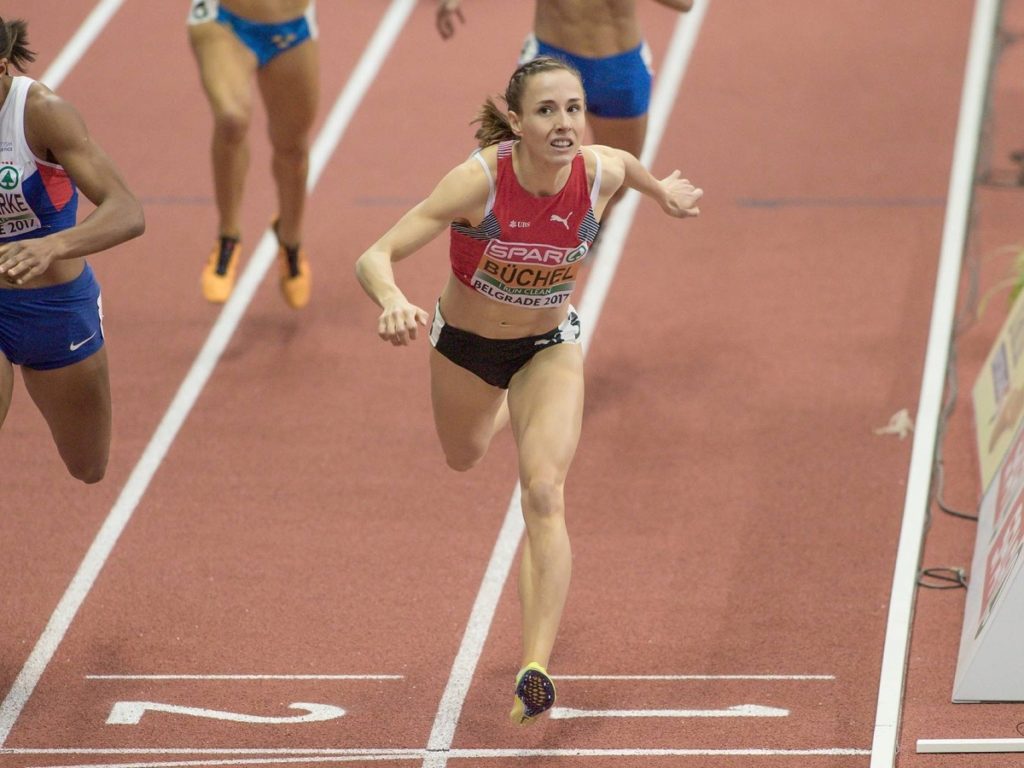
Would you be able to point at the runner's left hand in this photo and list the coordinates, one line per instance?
(23, 260)
(681, 196)
(447, 12)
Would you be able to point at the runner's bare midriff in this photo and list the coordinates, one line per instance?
(468, 310)
(63, 271)
(266, 11)
(590, 28)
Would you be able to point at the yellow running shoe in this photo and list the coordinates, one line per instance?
(535, 694)
(296, 278)
(218, 278)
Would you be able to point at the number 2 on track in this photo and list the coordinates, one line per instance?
(131, 712)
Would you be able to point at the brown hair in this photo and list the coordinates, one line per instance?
(494, 124)
(14, 43)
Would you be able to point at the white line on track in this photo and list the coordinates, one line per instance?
(293, 757)
(244, 677)
(202, 368)
(695, 677)
(76, 47)
(740, 710)
(670, 76)
(919, 477)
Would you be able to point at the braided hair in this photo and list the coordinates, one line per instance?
(494, 124)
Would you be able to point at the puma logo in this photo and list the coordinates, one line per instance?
(560, 219)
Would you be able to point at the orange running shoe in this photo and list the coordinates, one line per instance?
(218, 278)
(296, 278)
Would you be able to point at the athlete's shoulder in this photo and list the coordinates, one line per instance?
(464, 190)
(610, 159)
(478, 168)
(40, 101)
(603, 151)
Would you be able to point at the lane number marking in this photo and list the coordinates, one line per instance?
(131, 712)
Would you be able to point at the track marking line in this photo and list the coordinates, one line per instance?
(961, 746)
(442, 733)
(244, 677)
(919, 476)
(695, 677)
(739, 710)
(132, 712)
(357, 755)
(79, 43)
(202, 368)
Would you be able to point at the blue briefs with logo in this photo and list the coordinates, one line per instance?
(496, 361)
(54, 326)
(615, 86)
(265, 40)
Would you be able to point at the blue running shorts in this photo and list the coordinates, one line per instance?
(265, 40)
(54, 326)
(616, 86)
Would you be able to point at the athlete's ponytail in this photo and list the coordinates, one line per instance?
(14, 43)
(494, 124)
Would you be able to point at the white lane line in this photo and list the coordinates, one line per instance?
(191, 387)
(336, 758)
(244, 677)
(225, 751)
(740, 710)
(381, 755)
(959, 746)
(695, 677)
(919, 477)
(79, 43)
(442, 734)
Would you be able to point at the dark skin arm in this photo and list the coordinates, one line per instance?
(56, 132)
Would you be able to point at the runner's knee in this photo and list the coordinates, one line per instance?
(543, 498)
(232, 125)
(464, 458)
(88, 472)
(291, 155)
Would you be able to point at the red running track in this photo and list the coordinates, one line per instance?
(734, 516)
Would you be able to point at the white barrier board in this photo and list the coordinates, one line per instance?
(990, 666)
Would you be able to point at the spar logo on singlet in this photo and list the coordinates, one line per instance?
(9, 177)
(15, 216)
(528, 274)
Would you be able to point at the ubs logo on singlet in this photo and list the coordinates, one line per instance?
(8, 177)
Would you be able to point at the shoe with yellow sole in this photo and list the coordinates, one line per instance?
(535, 694)
(218, 278)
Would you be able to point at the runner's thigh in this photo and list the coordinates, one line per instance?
(226, 68)
(545, 401)
(6, 387)
(75, 401)
(290, 86)
(465, 407)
